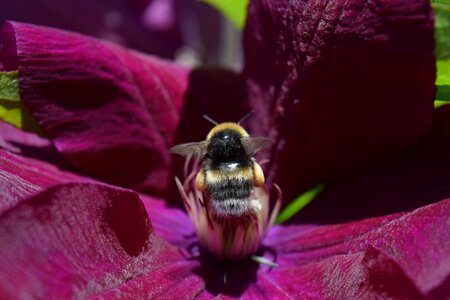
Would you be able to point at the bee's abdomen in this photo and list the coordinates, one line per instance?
(230, 189)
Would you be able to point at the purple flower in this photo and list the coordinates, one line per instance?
(345, 89)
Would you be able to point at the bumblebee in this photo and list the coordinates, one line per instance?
(229, 171)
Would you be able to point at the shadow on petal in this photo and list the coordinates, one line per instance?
(230, 278)
(218, 93)
(409, 180)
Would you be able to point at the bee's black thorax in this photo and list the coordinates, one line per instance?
(226, 148)
(226, 156)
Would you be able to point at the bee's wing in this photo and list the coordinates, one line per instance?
(254, 144)
(197, 149)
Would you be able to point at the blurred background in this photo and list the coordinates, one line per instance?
(191, 32)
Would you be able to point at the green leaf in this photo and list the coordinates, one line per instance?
(442, 28)
(439, 103)
(234, 10)
(442, 35)
(299, 203)
(9, 83)
(443, 80)
(12, 109)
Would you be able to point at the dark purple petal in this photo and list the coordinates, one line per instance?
(112, 113)
(62, 234)
(77, 240)
(414, 179)
(58, 237)
(337, 83)
(409, 180)
(400, 255)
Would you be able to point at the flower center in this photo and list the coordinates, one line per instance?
(229, 228)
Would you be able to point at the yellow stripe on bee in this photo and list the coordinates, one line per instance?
(227, 125)
(213, 176)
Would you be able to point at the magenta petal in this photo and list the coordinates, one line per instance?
(176, 281)
(403, 256)
(338, 83)
(112, 113)
(62, 234)
(77, 240)
(366, 275)
(21, 177)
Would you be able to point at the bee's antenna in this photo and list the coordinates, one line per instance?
(210, 120)
(245, 117)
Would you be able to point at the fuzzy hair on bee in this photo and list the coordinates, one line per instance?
(229, 171)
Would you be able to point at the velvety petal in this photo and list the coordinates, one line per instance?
(336, 83)
(63, 234)
(118, 21)
(401, 256)
(112, 113)
(75, 240)
(21, 177)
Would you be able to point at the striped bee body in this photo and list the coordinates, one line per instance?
(229, 170)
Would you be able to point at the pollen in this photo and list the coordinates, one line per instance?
(258, 174)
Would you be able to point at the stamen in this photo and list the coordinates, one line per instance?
(276, 208)
(264, 261)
